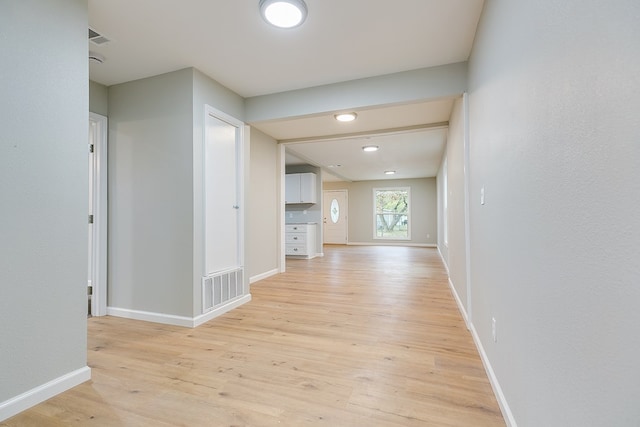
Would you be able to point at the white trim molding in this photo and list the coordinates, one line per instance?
(99, 126)
(148, 316)
(264, 275)
(461, 309)
(203, 318)
(39, 394)
(493, 380)
(171, 319)
(444, 262)
(416, 245)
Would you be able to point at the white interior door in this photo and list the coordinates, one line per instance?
(334, 207)
(223, 192)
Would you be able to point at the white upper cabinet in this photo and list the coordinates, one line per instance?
(300, 188)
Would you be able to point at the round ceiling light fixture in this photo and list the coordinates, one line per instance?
(346, 117)
(389, 172)
(96, 57)
(370, 148)
(283, 13)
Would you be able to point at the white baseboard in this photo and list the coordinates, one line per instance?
(203, 318)
(264, 275)
(417, 245)
(446, 266)
(497, 390)
(30, 398)
(147, 316)
(493, 380)
(461, 309)
(170, 319)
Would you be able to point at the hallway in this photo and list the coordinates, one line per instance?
(364, 336)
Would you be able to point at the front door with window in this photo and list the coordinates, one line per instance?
(334, 207)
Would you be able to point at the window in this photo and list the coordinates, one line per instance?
(391, 213)
(335, 211)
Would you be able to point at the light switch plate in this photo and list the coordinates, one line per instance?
(482, 195)
(494, 332)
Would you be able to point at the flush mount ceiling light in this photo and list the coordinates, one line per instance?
(96, 57)
(389, 172)
(370, 148)
(346, 117)
(283, 13)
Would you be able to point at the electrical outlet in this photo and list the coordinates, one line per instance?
(494, 332)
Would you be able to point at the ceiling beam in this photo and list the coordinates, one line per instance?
(397, 88)
(393, 131)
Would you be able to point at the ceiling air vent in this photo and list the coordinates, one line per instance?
(97, 38)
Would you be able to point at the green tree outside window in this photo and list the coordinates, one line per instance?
(392, 213)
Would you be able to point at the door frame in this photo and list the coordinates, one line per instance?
(240, 195)
(467, 204)
(98, 128)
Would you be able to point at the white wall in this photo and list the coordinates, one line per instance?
(98, 98)
(150, 194)
(263, 211)
(206, 91)
(555, 140)
(43, 187)
(155, 190)
(423, 209)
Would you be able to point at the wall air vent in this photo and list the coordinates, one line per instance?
(97, 38)
(221, 287)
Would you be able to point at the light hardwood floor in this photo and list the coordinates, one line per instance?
(365, 336)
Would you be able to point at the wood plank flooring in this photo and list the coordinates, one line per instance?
(364, 336)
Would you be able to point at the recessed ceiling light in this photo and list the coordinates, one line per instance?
(346, 117)
(283, 13)
(334, 166)
(389, 172)
(370, 148)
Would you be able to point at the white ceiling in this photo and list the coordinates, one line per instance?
(341, 40)
(345, 160)
(411, 138)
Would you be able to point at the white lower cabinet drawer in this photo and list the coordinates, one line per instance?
(296, 238)
(295, 250)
